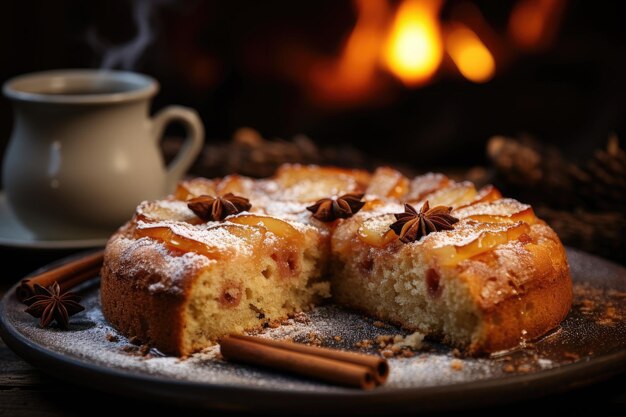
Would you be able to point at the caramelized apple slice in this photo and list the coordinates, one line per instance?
(485, 194)
(290, 174)
(387, 182)
(163, 210)
(209, 242)
(504, 210)
(375, 231)
(373, 204)
(286, 255)
(194, 188)
(310, 190)
(311, 183)
(278, 227)
(471, 239)
(235, 184)
(455, 195)
(426, 184)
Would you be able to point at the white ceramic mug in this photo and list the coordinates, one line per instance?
(84, 151)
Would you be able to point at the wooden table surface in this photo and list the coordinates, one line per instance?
(26, 391)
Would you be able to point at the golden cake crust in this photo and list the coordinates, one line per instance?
(132, 302)
(519, 289)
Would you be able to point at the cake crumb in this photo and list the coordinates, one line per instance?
(378, 324)
(387, 353)
(508, 368)
(338, 338)
(274, 324)
(395, 345)
(456, 365)
(407, 353)
(112, 338)
(571, 356)
(301, 318)
(384, 340)
(134, 340)
(313, 339)
(587, 306)
(413, 341)
(364, 344)
(524, 368)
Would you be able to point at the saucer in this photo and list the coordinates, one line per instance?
(13, 234)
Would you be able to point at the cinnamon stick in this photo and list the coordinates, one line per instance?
(377, 365)
(330, 370)
(67, 275)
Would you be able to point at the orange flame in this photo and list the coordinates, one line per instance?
(469, 54)
(413, 51)
(533, 23)
(350, 77)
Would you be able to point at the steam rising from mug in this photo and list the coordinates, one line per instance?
(126, 55)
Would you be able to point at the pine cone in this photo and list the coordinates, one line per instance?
(248, 153)
(602, 181)
(533, 172)
(586, 204)
(601, 233)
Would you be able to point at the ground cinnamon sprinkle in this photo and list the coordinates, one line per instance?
(572, 356)
(606, 308)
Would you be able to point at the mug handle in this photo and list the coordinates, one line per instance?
(191, 146)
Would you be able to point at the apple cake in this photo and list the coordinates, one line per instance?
(459, 264)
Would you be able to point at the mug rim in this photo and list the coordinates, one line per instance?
(140, 86)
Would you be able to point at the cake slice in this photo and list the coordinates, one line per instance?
(484, 286)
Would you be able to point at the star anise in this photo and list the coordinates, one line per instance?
(411, 225)
(218, 208)
(329, 209)
(49, 304)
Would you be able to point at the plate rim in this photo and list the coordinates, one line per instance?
(221, 396)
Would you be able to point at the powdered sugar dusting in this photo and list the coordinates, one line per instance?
(503, 207)
(172, 269)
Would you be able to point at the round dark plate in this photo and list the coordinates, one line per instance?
(590, 345)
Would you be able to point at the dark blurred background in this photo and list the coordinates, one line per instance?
(317, 67)
(424, 84)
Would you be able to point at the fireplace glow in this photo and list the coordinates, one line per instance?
(533, 23)
(408, 40)
(350, 77)
(470, 55)
(414, 48)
